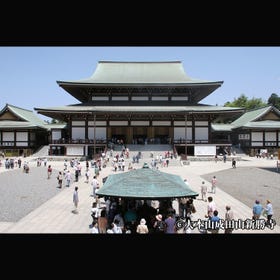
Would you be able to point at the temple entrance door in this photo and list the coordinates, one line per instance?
(139, 135)
(161, 135)
(118, 135)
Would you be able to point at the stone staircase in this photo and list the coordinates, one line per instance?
(149, 152)
(43, 151)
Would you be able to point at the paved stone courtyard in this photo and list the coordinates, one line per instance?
(33, 204)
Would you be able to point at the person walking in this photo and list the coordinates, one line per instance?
(211, 207)
(203, 190)
(257, 210)
(269, 212)
(87, 176)
(49, 171)
(76, 174)
(95, 186)
(68, 178)
(214, 184)
(75, 200)
(59, 179)
(233, 163)
(225, 158)
(228, 218)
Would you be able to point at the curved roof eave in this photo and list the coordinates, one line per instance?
(142, 72)
(124, 109)
(262, 125)
(89, 83)
(18, 125)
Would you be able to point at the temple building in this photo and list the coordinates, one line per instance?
(21, 131)
(139, 103)
(256, 131)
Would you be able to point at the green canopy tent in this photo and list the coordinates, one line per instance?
(145, 183)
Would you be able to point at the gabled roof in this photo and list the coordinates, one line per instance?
(27, 118)
(249, 118)
(145, 183)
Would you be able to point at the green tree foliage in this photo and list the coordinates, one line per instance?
(274, 100)
(243, 102)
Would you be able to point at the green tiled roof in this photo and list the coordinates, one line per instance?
(119, 72)
(145, 183)
(250, 116)
(29, 119)
(119, 75)
(251, 119)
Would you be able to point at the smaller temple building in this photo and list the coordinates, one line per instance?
(21, 131)
(256, 131)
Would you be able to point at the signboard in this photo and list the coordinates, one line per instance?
(204, 150)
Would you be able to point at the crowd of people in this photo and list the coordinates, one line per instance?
(139, 216)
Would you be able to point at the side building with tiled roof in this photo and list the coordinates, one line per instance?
(256, 131)
(21, 131)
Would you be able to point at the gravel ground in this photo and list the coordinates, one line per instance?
(21, 193)
(250, 183)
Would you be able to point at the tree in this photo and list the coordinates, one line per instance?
(243, 102)
(274, 100)
(255, 103)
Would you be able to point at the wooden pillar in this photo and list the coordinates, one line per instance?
(94, 135)
(171, 133)
(15, 139)
(150, 132)
(70, 129)
(129, 134)
(86, 128)
(209, 130)
(193, 130)
(186, 126)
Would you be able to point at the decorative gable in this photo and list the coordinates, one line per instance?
(271, 116)
(9, 116)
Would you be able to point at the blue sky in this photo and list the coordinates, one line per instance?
(28, 75)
